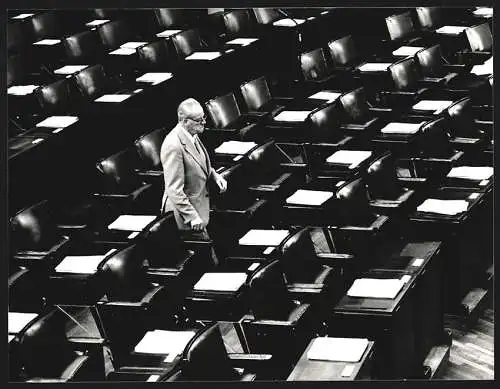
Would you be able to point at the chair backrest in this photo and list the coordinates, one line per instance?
(124, 277)
(176, 17)
(33, 227)
(46, 25)
(159, 55)
(16, 69)
(404, 73)
(239, 22)
(206, 357)
(44, 349)
(325, 122)
(27, 290)
(266, 15)
(264, 160)
(17, 38)
(118, 169)
(114, 33)
(82, 46)
(92, 81)
(480, 37)
(313, 64)
(187, 42)
(353, 203)
(382, 179)
(223, 110)
(429, 17)
(355, 104)
(148, 147)
(430, 60)
(256, 93)
(435, 139)
(56, 97)
(400, 26)
(343, 51)
(268, 295)
(461, 115)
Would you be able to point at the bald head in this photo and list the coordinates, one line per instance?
(191, 116)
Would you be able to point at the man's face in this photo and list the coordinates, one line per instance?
(195, 123)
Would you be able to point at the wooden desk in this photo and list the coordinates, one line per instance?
(313, 370)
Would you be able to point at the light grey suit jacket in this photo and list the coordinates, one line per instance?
(186, 175)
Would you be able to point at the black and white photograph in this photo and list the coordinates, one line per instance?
(249, 194)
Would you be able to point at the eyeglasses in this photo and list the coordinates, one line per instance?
(201, 119)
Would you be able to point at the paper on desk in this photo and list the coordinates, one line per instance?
(132, 45)
(112, 98)
(337, 349)
(451, 30)
(375, 288)
(288, 22)
(131, 222)
(21, 90)
(47, 42)
(292, 116)
(263, 237)
(154, 78)
(224, 282)
(401, 128)
(242, 41)
(167, 33)
(406, 51)
(58, 121)
(485, 12)
(432, 105)
(326, 95)
(80, 264)
(70, 69)
(481, 70)
(164, 342)
(96, 22)
(374, 67)
(10, 337)
(309, 197)
(235, 147)
(22, 16)
(471, 172)
(349, 157)
(123, 51)
(443, 207)
(204, 55)
(18, 320)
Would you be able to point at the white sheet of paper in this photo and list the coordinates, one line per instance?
(242, 41)
(164, 342)
(405, 51)
(473, 196)
(349, 157)
(167, 33)
(401, 128)
(417, 262)
(131, 222)
(37, 140)
(224, 282)
(253, 266)
(406, 278)
(471, 172)
(154, 78)
(70, 69)
(432, 105)
(22, 16)
(292, 116)
(80, 264)
(337, 349)
(347, 371)
(235, 147)
(288, 22)
(133, 235)
(451, 30)
(123, 51)
(96, 22)
(10, 337)
(485, 12)
(47, 42)
(443, 207)
(374, 67)
(132, 45)
(112, 98)
(481, 70)
(18, 320)
(153, 378)
(375, 288)
(21, 90)
(484, 182)
(58, 121)
(204, 55)
(325, 95)
(268, 250)
(309, 197)
(263, 237)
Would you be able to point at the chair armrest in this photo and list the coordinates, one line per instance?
(149, 173)
(148, 298)
(374, 227)
(333, 259)
(91, 345)
(249, 361)
(412, 182)
(72, 370)
(457, 68)
(42, 380)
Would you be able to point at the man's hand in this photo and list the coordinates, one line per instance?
(221, 182)
(197, 224)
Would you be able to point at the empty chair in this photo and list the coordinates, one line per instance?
(46, 25)
(114, 33)
(325, 126)
(266, 15)
(27, 290)
(402, 29)
(17, 37)
(160, 55)
(239, 23)
(176, 17)
(315, 70)
(187, 42)
(148, 147)
(59, 97)
(344, 53)
(83, 47)
(92, 82)
(258, 97)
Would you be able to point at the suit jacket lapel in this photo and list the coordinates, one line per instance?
(190, 148)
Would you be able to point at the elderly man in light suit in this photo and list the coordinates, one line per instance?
(187, 170)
